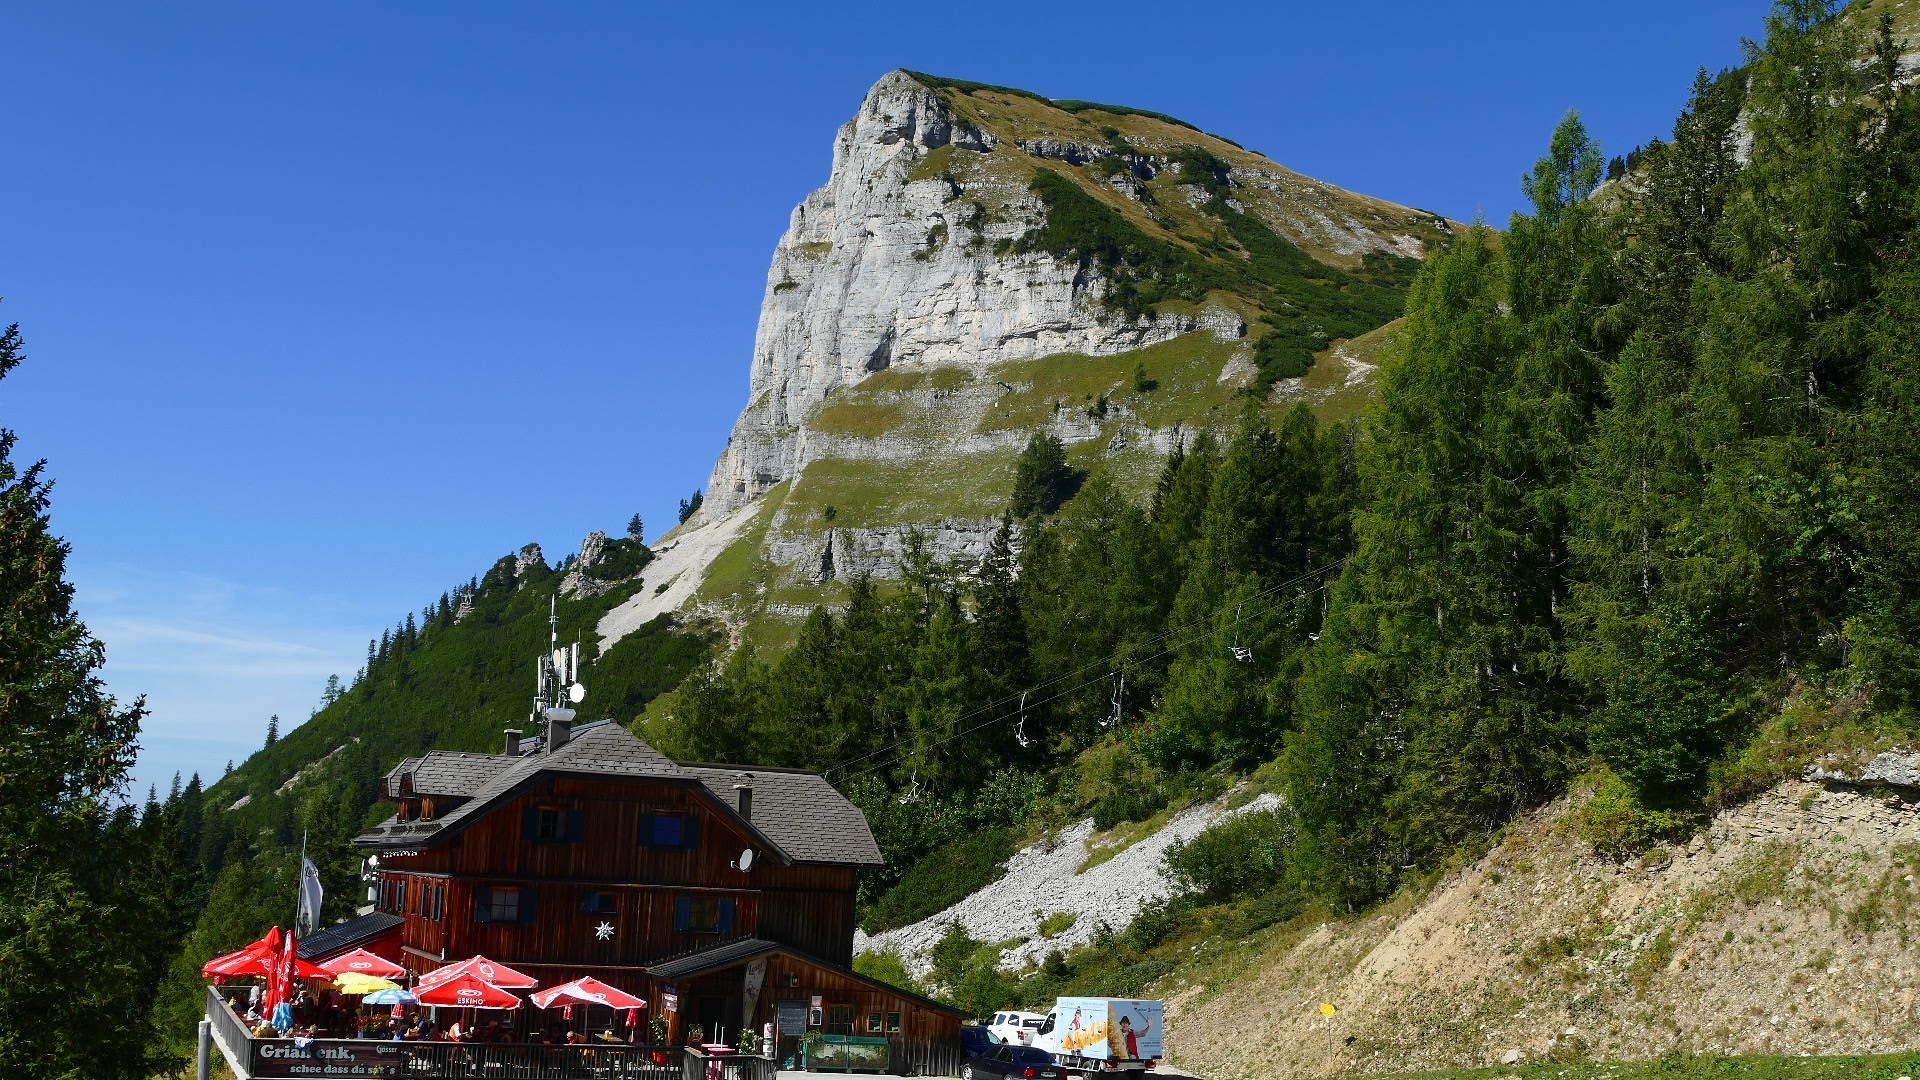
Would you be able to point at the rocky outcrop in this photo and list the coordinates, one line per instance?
(526, 559)
(884, 267)
(577, 581)
(1890, 768)
(908, 348)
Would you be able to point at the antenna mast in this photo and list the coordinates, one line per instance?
(556, 674)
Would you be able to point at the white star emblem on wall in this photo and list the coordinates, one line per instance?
(603, 932)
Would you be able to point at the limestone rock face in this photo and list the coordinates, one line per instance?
(878, 269)
(527, 558)
(909, 345)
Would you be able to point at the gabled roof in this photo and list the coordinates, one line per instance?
(334, 940)
(798, 814)
(740, 950)
(800, 811)
(446, 772)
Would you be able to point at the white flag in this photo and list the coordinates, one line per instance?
(310, 894)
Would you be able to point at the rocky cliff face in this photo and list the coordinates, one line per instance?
(908, 347)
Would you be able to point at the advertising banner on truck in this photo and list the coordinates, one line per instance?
(1110, 1029)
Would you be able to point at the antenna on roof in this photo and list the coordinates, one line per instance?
(557, 681)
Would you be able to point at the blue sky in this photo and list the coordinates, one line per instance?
(330, 305)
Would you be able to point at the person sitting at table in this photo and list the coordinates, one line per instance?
(265, 1030)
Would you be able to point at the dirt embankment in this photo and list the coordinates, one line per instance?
(1783, 928)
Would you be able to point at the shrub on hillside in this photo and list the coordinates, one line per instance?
(1238, 857)
(1618, 825)
(943, 878)
(886, 966)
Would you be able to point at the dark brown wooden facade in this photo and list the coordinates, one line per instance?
(561, 866)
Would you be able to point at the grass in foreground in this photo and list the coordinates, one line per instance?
(1689, 1067)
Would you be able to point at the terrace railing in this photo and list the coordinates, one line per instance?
(356, 1058)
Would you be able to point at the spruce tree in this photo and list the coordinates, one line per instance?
(1042, 480)
(65, 748)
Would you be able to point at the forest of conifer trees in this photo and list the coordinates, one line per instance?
(1639, 475)
(1636, 507)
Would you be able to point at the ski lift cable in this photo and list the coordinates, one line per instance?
(1107, 665)
(838, 773)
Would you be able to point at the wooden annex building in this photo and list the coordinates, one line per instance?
(722, 894)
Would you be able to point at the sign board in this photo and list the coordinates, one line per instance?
(792, 1017)
(328, 1057)
(1326, 1009)
(670, 1002)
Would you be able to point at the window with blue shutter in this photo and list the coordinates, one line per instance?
(483, 905)
(669, 830)
(682, 912)
(725, 923)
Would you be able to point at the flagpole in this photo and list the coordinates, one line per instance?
(300, 882)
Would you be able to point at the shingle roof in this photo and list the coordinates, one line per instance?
(728, 953)
(798, 813)
(334, 940)
(713, 957)
(453, 772)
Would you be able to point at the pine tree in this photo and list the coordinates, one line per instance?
(65, 748)
(273, 729)
(636, 529)
(1042, 480)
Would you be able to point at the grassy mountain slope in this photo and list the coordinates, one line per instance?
(464, 677)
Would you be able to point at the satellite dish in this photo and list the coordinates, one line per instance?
(745, 862)
(576, 693)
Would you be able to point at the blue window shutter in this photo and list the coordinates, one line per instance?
(483, 905)
(682, 912)
(576, 825)
(726, 915)
(646, 830)
(530, 824)
(690, 831)
(527, 905)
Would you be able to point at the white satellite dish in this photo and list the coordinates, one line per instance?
(745, 862)
(576, 693)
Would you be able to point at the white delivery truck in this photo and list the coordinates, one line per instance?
(1103, 1036)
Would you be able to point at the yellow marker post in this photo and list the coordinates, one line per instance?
(1327, 1010)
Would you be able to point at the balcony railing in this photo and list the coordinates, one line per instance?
(352, 1058)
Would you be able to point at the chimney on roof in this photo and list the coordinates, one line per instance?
(512, 747)
(743, 795)
(559, 726)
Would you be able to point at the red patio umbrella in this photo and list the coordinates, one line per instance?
(280, 975)
(467, 990)
(588, 991)
(365, 963)
(245, 961)
(257, 959)
(486, 970)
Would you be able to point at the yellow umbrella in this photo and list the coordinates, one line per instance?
(356, 983)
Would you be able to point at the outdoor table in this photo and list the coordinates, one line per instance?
(716, 1069)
